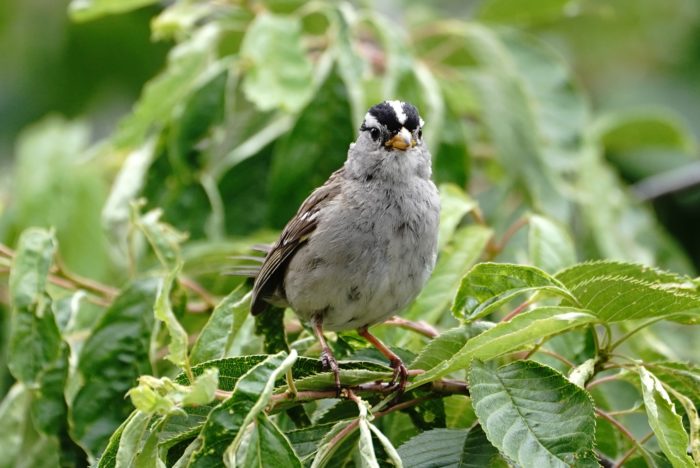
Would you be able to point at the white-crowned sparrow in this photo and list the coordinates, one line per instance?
(362, 245)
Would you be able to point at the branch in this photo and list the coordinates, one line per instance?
(637, 445)
(421, 327)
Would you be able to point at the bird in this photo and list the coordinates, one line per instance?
(361, 247)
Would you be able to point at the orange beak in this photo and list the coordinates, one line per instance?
(402, 140)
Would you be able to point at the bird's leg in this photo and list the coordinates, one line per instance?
(400, 372)
(327, 359)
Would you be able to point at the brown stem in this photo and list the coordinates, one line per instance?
(438, 388)
(623, 430)
(347, 430)
(510, 232)
(633, 449)
(68, 284)
(421, 327)
(6, 251)
(602, 380)
(516, 311)
(197, 288)
(556, 356)
(85, 283)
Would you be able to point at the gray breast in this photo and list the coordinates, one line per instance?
(370, 256)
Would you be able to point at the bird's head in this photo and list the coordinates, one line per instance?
(390, 143)
(393, 125)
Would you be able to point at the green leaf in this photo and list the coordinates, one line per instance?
(278, 72)
(164, 239)
(130, 443)
(489, 286)
(443, 347)
(351, 66)
(270, 325)
(304, 158)
(217, 336)
(112, 358)
(269, 446)
(177, 348)
(683, 377)
(461, 448)
(454, 204)
(550, 244)
(147, 398)
(516, 118)
(189, 64)
(179, 428)
(432, 104)
(84, 10)
(459, 412)
(533, 414)
(179, 19)
(163, 396)
(506, 337)
(203, 390)
(618, 291)
(30, 268)
(619, 226)
(338, 451)
(576, 274)
(626, 131)
(126, 188)
(13, 417)
(48, 408)
(20, 443)
(582, 373)
(307, 440)
(392, 454)
(664, 421)
(35, 340)
(108, 458)
(365, 446)
(466, 247)
(231, 369)
(478, 451)
(48, 153)
(226, 423)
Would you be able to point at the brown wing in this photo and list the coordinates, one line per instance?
(295, 233)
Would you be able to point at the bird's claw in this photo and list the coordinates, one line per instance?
(400, 377)
(328, 362)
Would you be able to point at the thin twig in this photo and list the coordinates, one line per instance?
(644, 325)
(68, 284)
(85, 283)
(633, 449)
(602, 380)
(556, 356)
(6, 251)
(350, 428)
(516, 311)
(420, 327)
(197, 288)
(496, 247)
(438, 388)
(625, 432)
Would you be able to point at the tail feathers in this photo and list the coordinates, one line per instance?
(246, 265)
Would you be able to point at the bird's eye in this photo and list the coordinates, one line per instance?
(420, 134)
(374, 133)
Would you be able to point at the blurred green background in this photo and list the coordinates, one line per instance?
(565, 123)
(637, 55)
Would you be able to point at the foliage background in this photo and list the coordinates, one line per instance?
(613, 119)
